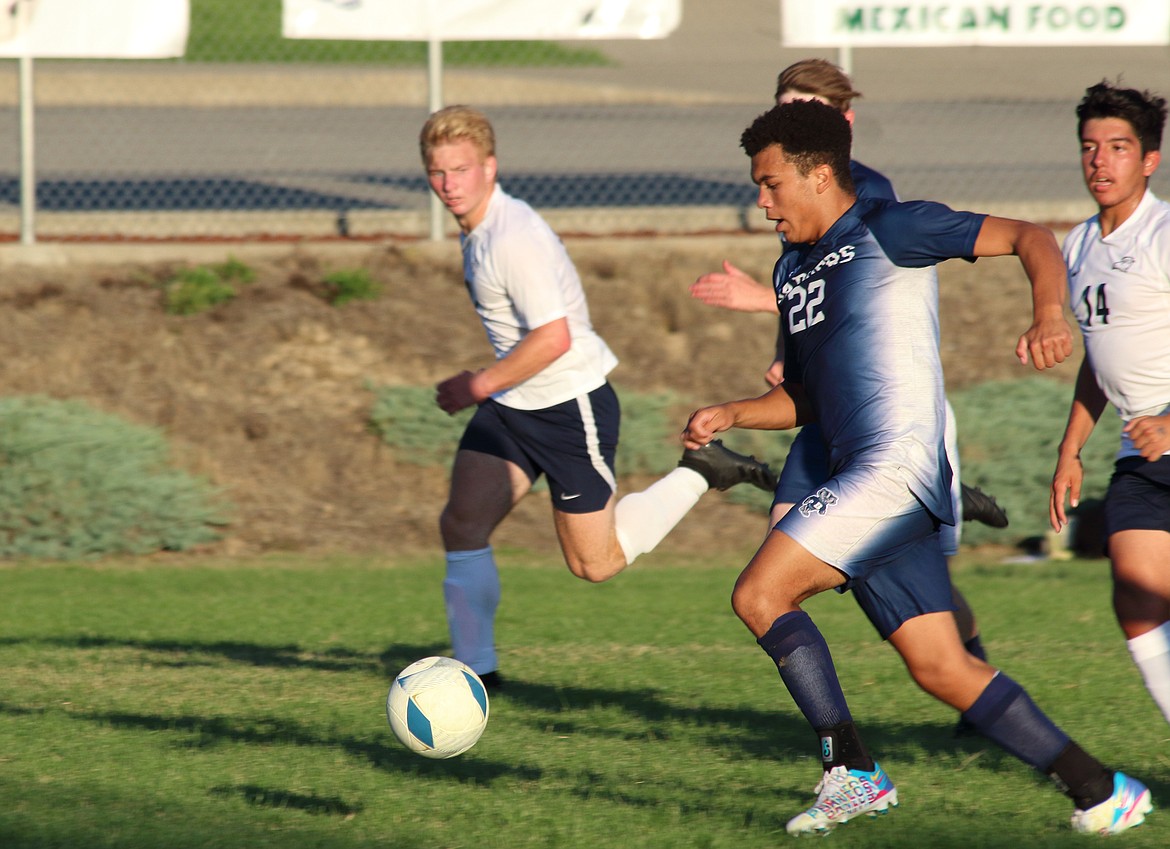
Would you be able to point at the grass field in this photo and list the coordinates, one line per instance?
(190, 703)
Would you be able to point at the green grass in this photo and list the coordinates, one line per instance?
(191, 703)
(235, 31)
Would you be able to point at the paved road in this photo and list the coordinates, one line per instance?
(988, 128)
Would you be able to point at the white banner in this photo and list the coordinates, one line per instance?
(926, 23)
(94, 29)
(479, 20)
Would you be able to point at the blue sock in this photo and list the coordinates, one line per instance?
(801, 654)
(1006, 715)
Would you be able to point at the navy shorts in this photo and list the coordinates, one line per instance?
(573, 444)
(910, 581)
(1139, 496)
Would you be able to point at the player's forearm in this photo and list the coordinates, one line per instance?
(539, 349)
(1087, 405)
(1044, 265)
(781, 408)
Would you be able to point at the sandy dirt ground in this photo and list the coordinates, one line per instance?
(268, 395)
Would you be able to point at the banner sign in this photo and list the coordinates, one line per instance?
(479, 20)
(1003, 23)
(94, 29)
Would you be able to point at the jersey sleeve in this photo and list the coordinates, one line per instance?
(916, 234)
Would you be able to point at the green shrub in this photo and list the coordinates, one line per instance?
(234, 269)
(1008, 435)
(407, 419)
(350, 284)
(194, 290)
(75, 482)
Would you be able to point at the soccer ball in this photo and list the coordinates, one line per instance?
(437, 707)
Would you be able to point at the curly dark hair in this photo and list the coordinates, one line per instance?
(809, 132)
(1145, 112)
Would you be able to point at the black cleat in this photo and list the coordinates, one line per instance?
(492, 681)
(978, 506)
(723, 468)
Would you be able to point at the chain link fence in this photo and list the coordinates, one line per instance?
(252, 136)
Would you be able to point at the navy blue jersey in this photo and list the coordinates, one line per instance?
(859, 318)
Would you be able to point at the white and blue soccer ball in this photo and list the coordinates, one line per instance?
(437, 707)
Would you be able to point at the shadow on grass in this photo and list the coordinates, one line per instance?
(267, 797)
(777, 733)
(288, 656)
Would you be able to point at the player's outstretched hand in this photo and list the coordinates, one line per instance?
(705, 423)
(1150, 435)
(1048, 342)
(733, 289)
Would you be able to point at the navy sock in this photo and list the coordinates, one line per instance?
(1006, 715)
(801, 654)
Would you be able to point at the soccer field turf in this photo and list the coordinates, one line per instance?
(198, 703)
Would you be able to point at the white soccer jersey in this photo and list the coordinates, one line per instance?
(520, 277)
(1119, 288)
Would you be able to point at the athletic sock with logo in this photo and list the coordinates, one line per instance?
(802, 656)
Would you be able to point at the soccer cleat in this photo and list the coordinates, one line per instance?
(492, 681)
(978, 506)
(844, 794)
(1126, 808)
(723, 468)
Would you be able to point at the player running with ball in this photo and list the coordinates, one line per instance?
(858, 297)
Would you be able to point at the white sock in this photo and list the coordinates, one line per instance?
(472, 593)
(1151, 653)
(644, 518)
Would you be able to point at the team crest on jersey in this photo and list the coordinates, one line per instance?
(1124, 264)
(819, 503)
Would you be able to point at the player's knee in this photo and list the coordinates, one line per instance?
(460, 534)
(755, 610)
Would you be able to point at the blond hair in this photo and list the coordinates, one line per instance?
(455, 124)
(820, 78)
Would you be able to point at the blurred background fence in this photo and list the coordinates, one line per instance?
(252, 136)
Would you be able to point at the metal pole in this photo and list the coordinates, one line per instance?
(435, 88)
(845, 59)
(28, 178)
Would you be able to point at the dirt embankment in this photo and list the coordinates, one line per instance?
(268, 395)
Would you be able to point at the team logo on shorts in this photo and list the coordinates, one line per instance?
(819, 503)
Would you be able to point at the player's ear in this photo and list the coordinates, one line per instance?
(1151, 161)
(823, 178)
(489, 167)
